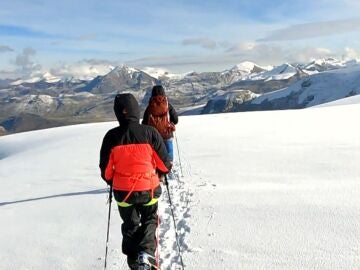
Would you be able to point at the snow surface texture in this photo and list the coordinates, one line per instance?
(259, 190)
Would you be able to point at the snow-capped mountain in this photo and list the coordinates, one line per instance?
(120, 79)
(246, 86)
(298, 89)
(316, 89)
(45, 77)
(242, 71)
(324, 64)
(162, 74)
(223, 101)
(282, 72)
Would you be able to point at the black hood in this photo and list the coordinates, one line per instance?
(126, 108)
(158, 90)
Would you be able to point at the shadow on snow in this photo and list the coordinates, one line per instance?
(90, 192)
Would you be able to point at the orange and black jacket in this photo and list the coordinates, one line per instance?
(132, 154)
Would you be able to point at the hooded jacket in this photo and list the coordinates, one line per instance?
(131, 154)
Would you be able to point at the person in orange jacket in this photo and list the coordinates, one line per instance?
(131, 158)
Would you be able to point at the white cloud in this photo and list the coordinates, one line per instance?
(4, 48)
(274, 54)
(259, 52)
(25, 64)
(87, 37)
(242, 47)
(314, 29)
(23, 59)
(352, 3)
(350, 53)
(85, 69)
(309, 54)
(204, 42)
(8, 74)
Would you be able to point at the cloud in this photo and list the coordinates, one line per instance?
(25, 65)
(350, 53)
(352, 3)
(202, 41)
(4, 48)
(270, 54)
(23, 59)
(258, 52)
(87, 37)
(314, 29)
(309, 54)
(8, 74)
(84, 69)
(242, 47)
(186, 63)
(166, 61)
(56, 43)
(99, 62)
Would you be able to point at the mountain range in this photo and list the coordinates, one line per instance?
(47, 101)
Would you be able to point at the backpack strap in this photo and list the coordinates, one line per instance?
(151, 202)
(129, 193)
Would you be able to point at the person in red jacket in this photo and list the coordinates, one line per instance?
(131, 157)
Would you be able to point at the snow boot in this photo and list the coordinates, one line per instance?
(132, 263)
(146, 261)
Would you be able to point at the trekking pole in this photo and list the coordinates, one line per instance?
(173, 217)
(108, 226)
(177, 146)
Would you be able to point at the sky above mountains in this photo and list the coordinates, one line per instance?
(89, 36)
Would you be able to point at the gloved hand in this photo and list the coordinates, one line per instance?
(109, 182)
(161, 176)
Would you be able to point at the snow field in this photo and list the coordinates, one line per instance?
(259, 190)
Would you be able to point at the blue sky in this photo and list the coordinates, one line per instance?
(177, 35)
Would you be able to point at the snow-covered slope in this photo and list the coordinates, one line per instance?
(46, 77)
(224, 100)
(281, 72)
(159, 73)
(320, 65)
(344, 101)
(319, 88)
(260, 190)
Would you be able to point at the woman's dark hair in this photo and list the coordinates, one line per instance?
(158, 90)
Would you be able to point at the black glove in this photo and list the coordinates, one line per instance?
(161, 176)
(109, 182)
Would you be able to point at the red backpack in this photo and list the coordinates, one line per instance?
(159, 116)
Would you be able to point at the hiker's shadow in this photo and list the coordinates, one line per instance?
(89, 192)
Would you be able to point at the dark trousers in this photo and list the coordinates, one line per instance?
(139, 229)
